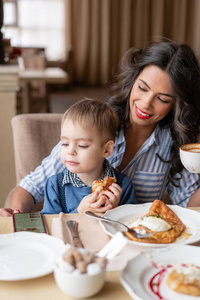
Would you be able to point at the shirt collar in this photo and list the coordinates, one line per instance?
(73, 178)
(154, 137)
(156, 134)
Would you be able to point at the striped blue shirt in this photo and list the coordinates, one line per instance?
(148, 173)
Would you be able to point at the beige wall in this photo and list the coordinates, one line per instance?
(7, 111)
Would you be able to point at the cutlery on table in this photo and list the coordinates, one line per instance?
(131, 231)
(110, 250)
(73, 227)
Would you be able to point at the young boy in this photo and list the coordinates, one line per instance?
(88, 130)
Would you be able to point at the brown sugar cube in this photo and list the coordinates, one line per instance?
(82, 266)
(88, 257)
(77, 256)
(68, 257)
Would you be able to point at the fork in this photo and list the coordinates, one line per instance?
(131, 231)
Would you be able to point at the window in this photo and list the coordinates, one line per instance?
(36, 23)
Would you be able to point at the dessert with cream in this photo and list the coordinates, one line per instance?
(185, 279)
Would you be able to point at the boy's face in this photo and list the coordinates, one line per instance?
(82, 151)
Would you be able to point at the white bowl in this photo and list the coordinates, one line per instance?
(79, 285)
(190, 157)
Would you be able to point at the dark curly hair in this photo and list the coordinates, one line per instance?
(182, 67)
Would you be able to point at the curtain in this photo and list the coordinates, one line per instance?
(99, 32)
(1, 35)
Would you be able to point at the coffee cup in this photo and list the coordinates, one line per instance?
(190, 157)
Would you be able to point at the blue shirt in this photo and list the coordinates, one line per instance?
(148, 173)
(75, 190)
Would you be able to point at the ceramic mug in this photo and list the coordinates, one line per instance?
(190, 157)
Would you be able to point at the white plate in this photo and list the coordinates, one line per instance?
(25, 255)
(136, 275)
(130, 212)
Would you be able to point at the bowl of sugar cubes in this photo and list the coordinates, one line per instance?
(79, 273)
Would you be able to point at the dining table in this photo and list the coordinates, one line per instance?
(45, 287)
(47, 76)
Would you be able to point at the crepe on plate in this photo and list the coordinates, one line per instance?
(160, 212)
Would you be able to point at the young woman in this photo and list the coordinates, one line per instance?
(157, 98)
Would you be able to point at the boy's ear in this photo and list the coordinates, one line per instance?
(108, 148)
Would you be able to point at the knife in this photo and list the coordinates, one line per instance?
(73, 227)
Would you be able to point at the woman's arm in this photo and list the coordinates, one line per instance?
(31, 188)
(34, 182)
(194, 199)
(22, 200)
(186, 194)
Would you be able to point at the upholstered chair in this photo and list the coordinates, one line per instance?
(34, 136)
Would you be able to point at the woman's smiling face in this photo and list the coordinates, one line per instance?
(151, 97)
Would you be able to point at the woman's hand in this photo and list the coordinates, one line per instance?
(90, 203)
(7, 212)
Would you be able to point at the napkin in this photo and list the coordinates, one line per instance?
(93, 237)
(90, 231)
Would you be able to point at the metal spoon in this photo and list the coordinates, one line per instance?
(132, 231)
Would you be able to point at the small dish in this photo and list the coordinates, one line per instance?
(139, 271)
(79, 285)
(74, 283)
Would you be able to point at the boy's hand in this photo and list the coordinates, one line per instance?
(111, 200)
(91, 203)
(114, 194)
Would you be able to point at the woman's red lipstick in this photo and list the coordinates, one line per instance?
(140, 114)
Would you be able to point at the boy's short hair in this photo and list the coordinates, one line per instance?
(93, 113)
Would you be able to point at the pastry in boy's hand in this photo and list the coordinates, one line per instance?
(102, 185)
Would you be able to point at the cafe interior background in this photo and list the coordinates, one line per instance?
(86, 39)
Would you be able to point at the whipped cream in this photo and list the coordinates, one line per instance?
(190, 270)
(152, 223)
